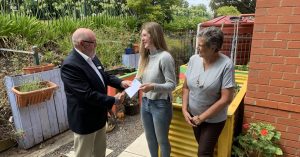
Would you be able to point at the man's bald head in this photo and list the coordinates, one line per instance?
(82, 34)
(84, 40)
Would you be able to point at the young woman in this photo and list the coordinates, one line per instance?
(157, 75)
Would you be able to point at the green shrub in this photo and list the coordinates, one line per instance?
(65, 26)
(260, 139)
(180, 23)
(31, 85)
(227, 10)
(24, 26)
(111, 43)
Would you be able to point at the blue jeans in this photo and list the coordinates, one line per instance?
(156, 118)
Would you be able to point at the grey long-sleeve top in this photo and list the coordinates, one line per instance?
(160, 71)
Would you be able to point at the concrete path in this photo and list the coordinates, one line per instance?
(138, 148)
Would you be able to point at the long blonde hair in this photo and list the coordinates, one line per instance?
(158, 40)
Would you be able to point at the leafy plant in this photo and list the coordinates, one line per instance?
(113, 21)
(242, 67)
(186, 18)
(7, 129)
(49, 9)
(181, 23)
(236, 89)
(148, 10)
(24, 26)
(28, 86)
(132, 40)
(65, 26)
(244, 6)
(227, 10)
(112, 42)
(260, 139)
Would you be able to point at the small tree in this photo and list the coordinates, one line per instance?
(146, 11)
(227, 10)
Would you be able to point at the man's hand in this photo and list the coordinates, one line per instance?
(147, 87)
(120, 98)
(126, 83)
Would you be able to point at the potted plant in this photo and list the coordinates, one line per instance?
(33, 92)
(132, 46)
(259, 140)
(38, 68)
(129, 49)
(136, 47)
(131, 105)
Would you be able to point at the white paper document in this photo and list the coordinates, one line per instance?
(135, 85)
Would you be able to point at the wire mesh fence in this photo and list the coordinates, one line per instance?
(182, 46)
(238, 51)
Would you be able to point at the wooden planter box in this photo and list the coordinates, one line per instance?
(38, 68)
(34, 97)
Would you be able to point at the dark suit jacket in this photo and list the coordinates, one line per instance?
(87, 99)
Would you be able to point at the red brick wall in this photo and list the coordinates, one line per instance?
(273, 93)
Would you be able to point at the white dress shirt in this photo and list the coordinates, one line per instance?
(90, 62)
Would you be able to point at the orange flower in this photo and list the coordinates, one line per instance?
(264, 132)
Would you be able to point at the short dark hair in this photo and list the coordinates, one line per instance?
(213, 37)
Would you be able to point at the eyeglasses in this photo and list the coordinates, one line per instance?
(90, 42)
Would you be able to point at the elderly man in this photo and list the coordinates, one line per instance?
(85, 85)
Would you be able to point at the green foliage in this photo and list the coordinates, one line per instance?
(111, 44)
(183, 23)
(131, 22)
(237, 88)
(113, 21)
(6, 26)
(260, 139)
(242, 67)
(148, 10)
(145, 11)
(52, 57)
(49, 9)
(55, 34)
(227, 10)
(180, 49)
(243, 6)
(23, 26)
(65, 26)
(33, 85)
(186, 18)
(193, 11)
(65, 46)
